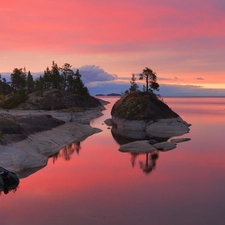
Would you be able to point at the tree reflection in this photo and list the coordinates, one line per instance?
(67, 152)
(134, 155)
(150, 162)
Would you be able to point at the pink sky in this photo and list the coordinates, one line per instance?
(183, 41)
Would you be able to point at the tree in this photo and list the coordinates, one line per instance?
(79, 85)
(18, 78)
(46, 79)
(67, 74)
(56, 78)
(150, 79)
(40, 84)
(30, 82)
(133, 85)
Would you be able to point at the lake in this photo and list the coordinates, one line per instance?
(93, 183)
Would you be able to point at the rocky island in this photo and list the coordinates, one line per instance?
(146, 121)
(42, 125)
(144, 111)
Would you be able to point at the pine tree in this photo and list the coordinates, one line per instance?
(133, 84)
(150, 79)
(18, 78)
(30, 82)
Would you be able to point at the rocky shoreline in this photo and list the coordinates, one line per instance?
(32, 136)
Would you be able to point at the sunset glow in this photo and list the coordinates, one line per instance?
(181, 41)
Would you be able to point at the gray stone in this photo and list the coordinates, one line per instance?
(108, 122)
(33, 152)
(167, 127)
(137, 146)
(165, 146)
(178, 140)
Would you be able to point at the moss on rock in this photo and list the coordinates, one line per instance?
(139, 105)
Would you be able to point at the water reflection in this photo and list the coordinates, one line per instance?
(8, 181)
(123, 138)
(150, 161)
(67, 152)
(150, 149)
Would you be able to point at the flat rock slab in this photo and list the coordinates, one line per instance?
(165, 146)
(34, 151)
(178, 140)
(137, 146)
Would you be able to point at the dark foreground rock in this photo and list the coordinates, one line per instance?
(15, 129)
(29, 138)
(53, 99)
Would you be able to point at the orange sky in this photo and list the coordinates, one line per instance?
(183, 41)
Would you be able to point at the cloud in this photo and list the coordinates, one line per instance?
(90, 73)
(104, 27)
(199, 78)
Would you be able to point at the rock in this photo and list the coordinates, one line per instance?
(165, 146)
(178, 140)
(129, 125)
(34, 151)
(139, 105)
(137, 146)
(167, 127)
(108, 122)
(144, 112)
(29, 139)
(152, 141)
(17, 128)
(53, 99)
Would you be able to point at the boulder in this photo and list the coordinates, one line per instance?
(167, 127)
(145, 112)
(137, 147)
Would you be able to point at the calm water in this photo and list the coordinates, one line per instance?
(94, 183)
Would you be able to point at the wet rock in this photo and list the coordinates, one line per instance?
(165, 146)
(108, 122)
(145, 112)
(167, 127)
(137, 146)
(178, 140)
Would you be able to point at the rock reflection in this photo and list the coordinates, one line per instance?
(9, 181)
(123, 138)
(140, 144)
(67, 152)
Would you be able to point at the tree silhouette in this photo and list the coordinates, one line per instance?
(79, 85)
(133, 84)
(30, 82)
(18, 78)
(67, 74)
(150, 79)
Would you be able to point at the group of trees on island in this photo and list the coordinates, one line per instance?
(63, 78)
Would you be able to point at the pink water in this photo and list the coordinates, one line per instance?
(101, 185)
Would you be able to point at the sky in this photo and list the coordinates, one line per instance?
(183, 41)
